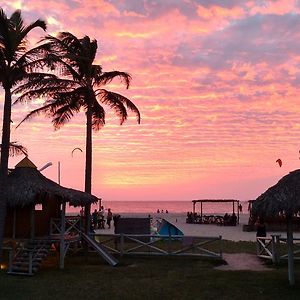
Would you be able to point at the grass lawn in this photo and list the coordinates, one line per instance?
(151, 278)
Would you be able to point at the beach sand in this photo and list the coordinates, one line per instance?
(233, 233)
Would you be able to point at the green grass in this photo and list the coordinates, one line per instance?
(151, 278)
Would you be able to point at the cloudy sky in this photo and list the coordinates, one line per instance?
(217, 84)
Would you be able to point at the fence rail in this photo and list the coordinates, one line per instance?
(275, 248)
(162, 245)
(72, 224)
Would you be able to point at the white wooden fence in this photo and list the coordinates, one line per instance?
(275, 248)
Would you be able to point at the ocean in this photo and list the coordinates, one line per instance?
(149, 207)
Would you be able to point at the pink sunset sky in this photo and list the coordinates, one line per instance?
(217, 84)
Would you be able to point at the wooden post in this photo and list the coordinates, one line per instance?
(275, 242)
(62, 237)
(30, 263)
(238, 212)
(221, 246)
(58, 172)
(201, 211)
(290, 250)
(10, 260)
(32, 221)
(122, 244)
(14, 224)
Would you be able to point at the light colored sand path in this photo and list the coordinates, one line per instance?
(242, 261)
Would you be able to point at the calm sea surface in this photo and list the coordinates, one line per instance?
(153, 206)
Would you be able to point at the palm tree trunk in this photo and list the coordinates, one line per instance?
(6, 133)
(88, 165)
(4, 162)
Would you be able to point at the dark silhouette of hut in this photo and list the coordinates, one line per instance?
(282, 199)
(34, 201)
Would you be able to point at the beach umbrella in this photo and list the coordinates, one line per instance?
(282, 198)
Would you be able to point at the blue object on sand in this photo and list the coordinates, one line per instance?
(167, 228)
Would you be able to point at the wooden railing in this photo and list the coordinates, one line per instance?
(275, 248)
(173, 245)
(73, 224)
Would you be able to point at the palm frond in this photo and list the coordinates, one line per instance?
(107, 77)
(42, 110)
(15, 149)
(118, 103)
(98, 116)
(112, 100)
(63, 114)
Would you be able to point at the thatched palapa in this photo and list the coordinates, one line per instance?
(26, 185)
(284, 197)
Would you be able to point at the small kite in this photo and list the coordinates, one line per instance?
(76, 149)
(279, 161)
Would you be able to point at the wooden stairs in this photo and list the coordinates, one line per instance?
(29, 258)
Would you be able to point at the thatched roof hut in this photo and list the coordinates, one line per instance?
(282, 198)
(26, 185)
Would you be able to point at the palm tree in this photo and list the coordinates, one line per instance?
(16, 64)
(80, 87)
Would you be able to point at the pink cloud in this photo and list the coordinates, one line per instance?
(217, 87)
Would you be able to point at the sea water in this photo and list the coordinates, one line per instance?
(150, 207)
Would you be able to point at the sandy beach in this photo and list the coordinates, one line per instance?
(233, 233)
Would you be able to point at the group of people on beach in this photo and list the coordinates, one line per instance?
(162, 211)
(98, 218)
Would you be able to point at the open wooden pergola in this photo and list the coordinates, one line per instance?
(235, 205)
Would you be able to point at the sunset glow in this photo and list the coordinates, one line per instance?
(217, 85)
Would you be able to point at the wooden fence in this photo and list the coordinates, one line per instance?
(275, 248)
(161, 245)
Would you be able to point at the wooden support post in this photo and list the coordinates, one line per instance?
(238, 212)
(290, 250)
(30, 263)
(10, 260)
(275, 243)
(122, 244)
(62, 237)
(14, 224)
(201, 211)
(221, 247)
(32, 222)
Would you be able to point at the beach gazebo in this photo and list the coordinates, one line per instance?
(282, 199)
(233, 202)
(33, 201)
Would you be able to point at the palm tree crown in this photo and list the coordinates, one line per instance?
(79, 87)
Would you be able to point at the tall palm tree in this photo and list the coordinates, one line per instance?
(79, 88)
(16, 64)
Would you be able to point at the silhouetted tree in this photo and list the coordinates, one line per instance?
(79, 87)
(16, 64)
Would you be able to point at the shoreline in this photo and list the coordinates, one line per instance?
(232, 233)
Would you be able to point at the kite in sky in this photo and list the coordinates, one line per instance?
(76, 149)
(279, 161)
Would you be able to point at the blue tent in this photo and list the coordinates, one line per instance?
(167, 228)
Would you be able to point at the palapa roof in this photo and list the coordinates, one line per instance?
(283, 197)
(26, 185)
